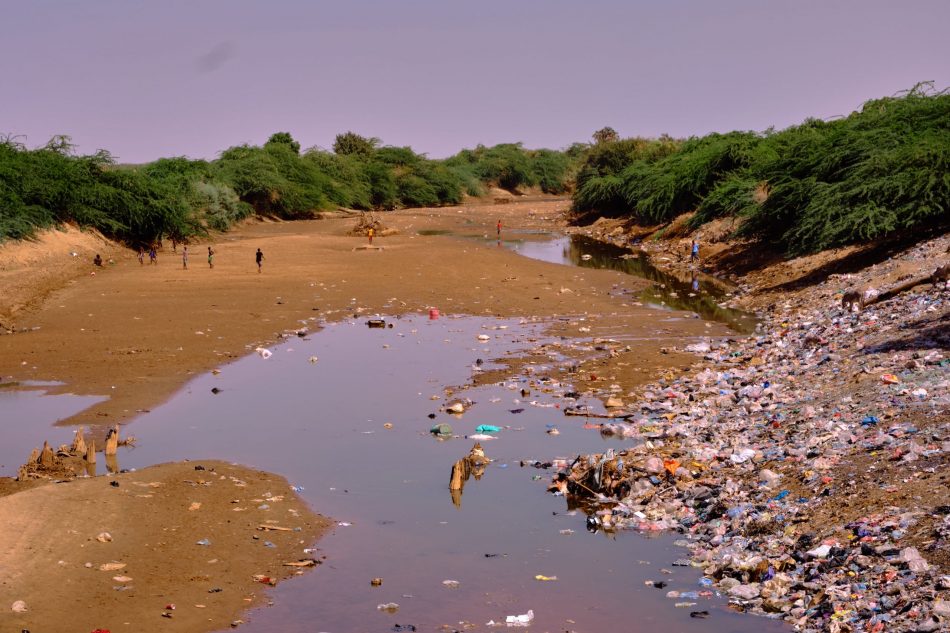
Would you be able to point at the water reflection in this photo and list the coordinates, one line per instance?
(698, 293)
(471, 466)
(27, 419)
(324, 426)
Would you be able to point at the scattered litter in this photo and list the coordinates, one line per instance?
(803, 462)
(520, 620)
(442, 430)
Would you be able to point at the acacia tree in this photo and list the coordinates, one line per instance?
(605, 135)
(352, 143)
(284, 138)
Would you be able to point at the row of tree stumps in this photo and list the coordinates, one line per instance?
(69, 460)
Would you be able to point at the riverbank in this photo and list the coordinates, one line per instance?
(756, 425)
(90, 554)
(806, 465)
(138, 332)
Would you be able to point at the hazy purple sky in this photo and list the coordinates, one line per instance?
(192, 77)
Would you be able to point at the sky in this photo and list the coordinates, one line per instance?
(193, 77)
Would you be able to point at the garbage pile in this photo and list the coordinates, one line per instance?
(806, 466)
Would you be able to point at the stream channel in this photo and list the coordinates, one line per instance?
(321, 425)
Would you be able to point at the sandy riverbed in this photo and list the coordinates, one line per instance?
(137, 333)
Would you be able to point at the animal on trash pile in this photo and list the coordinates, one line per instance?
(941, 275)
(859, 298)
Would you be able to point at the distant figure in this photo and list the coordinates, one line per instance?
(498, 229)
(174, 245)
(210, 257)
(694, 252)
(369, 234)
(184, 258)
(97, 260)
(141, 256)
(152, 255)
(259, 257)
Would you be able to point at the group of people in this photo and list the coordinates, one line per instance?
(184, 257)
(153, 257)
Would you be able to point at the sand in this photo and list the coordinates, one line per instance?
(149, 575)
(138, 333)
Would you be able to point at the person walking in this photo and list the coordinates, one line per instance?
(210, 257)
(152, 255)
(259, 257)
(694, 252)
(370, 233)
(498, 229)
(184, 258)
(141, 256)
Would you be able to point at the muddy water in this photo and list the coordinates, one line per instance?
(700, 294)
(322, 426)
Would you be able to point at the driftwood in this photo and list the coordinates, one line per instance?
(112, 440)
(862, 298)
(91, 452)
(79, 443)
(472, 465)
(307, 562)
(276, 528)
(46, 456)
(607, 416)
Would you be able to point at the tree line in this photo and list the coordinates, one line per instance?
(880, 170)
(181, 198)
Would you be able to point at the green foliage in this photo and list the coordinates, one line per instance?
(48, 186)
(382, 186)
(605, 135)
(284, 138)
(661, 189)
(821, 184)
(181, 198)
(551, 170)
(506, 165)
(599, 185)
(350, 143)
(349, 182)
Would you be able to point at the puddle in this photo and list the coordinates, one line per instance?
(433, 232)
(668, 291)
(27, 418)
(322, 426)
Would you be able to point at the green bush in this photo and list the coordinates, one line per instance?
(821, 184)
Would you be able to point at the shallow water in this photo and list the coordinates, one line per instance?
(321, 425)
(27, 416)
(701, 294)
